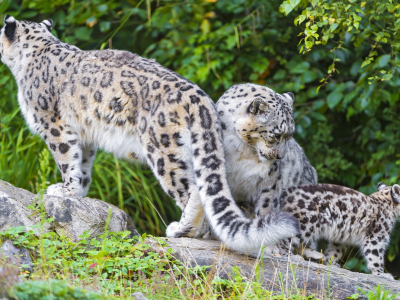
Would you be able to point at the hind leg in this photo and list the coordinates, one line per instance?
(175, 175)
(334, 253)
(192, 220)
(66, 148)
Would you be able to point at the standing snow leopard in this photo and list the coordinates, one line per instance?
(262, 158)
(343, 217)
(78, 101)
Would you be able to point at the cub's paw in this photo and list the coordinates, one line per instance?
(386, 275)
(210, 235)
(59, 190)
(175, 230)
(311, 253)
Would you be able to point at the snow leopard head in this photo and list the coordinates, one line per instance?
(259, 117)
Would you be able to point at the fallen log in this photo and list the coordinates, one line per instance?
(280, 274)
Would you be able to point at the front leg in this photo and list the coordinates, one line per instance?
(334, 253)
(88, 156)
(373, 251)
(64, 143)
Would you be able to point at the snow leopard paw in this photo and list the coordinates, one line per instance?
(59, 190)
(386, 275)
(175, 230)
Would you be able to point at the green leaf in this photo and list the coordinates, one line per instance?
(300, 68)
(309, 76)
(358, 41)
(105, 26)
(4, 5)
(318, 104)
(288, 9)
(387, 77)
(333, 26)
(334, 99)
(205, 26)
(365, 62)
(280, 74)
(318, 116)
(383, 60)
(294, 3)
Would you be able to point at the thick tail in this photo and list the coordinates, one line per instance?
(227, 221)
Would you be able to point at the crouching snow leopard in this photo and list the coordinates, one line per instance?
(262, 158)
(78, 101)
(343, 217)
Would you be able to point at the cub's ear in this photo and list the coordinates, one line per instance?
(288, 97)
(258, 105)
(381, 186)
(395, 192)
(10, 24)
(48, 23)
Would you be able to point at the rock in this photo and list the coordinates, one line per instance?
(16, 256)
(8, 278)
(313, 278)
(72, 216)
(14, 212)
(138, 296)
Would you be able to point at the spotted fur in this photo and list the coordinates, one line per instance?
(78, 101)
(343, 216)
(262, 156)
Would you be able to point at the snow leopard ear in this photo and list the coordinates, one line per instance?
(258, 105)
(48, 23)
(395, 192)
(381, 186)
(289, 98)
(10, 24)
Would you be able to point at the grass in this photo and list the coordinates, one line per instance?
(113, 267)
(117, 267)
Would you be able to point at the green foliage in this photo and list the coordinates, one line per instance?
(53, 290)
(379, 293)
(347, 122)
(117, 267)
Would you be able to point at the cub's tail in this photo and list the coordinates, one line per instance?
(227, 221)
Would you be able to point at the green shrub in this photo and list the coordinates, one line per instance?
(54, 290)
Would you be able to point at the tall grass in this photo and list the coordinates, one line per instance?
(131, 187)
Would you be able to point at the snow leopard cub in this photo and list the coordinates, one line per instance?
(343, 217)
(262, 158)
(79, 101)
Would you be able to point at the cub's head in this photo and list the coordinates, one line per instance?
(391, 193)
(18, 37)
(259, 117)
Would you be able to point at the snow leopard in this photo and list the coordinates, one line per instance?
(343, 217)
(262, 157)
(79, 101)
